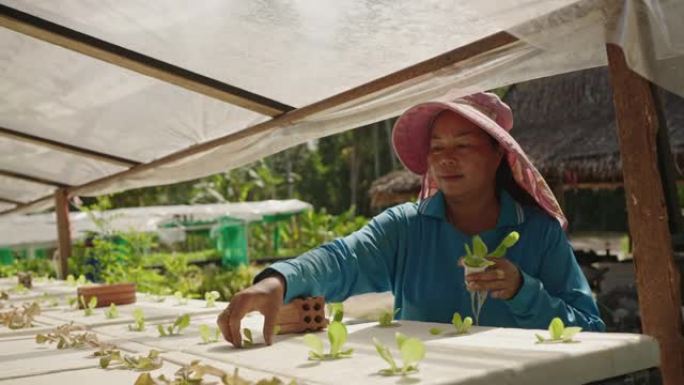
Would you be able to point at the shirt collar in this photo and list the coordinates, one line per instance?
(511, 212)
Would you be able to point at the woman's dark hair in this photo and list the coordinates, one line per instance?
(505, 181)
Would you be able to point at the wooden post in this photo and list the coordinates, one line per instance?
(63, 230)
(656, 273)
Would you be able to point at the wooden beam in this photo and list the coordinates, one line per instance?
(56, 34)
(476, 48)
(29, 178)
(65, 147)
(10, 201)
(487, 44)
(22, 206)
(657, 274)
(63, 231)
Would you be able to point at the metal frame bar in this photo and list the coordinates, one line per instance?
(50, 32)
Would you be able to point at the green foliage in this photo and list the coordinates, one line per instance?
(559, 333)
(387, 318)
(38, 266)
(337, 336)
(227, 282)
(112, 312)
(436, 331)
(138, 321)
(178, 325)
(208, 334)
(462, 325)
(412, 351)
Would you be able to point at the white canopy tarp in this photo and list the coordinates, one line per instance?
(41, 229)
(294, 52)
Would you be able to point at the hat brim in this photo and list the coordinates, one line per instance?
(411, 133)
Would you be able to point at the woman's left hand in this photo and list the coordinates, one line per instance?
(503, 279)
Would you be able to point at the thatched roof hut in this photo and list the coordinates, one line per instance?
(398, 186)
(566, 124)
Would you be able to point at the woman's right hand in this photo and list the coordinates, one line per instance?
(266, 297)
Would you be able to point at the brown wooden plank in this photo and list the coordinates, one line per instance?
(66, 148)
(99, 49)
(30, 178)
(10, 201)
(657, 274)
(63, 230)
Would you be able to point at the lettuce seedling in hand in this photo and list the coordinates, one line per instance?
(138, 321)
(211, 297)
(387, 318)
(181, 323)
(412, 351)
(559, 333)
(337, 336)
(208, 334)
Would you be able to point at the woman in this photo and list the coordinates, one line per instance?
(476, 181)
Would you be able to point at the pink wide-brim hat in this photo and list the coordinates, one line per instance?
(411, 140)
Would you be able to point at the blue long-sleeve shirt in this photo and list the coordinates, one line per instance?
(413, 251)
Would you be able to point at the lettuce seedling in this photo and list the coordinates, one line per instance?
(248, 341)
(64, 337)
(19, 318)
(112, 312)
(412, 351)
(462, 325)
(19, 289)
(208, 334)
(138, 321)
(337, 336)
(211, 297)
(89, 307)
(559, 333)
(178, 325)
(72, 301)
(180, 299)
(194, 373)
(336, 311)
(387, 318)
(71, 281)
(113, 358)
(477, 256)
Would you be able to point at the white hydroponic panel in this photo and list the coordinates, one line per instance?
(188, 338)
(152, 312)
(22, 357)
(485, 356)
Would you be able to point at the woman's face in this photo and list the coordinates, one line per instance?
(462, 158)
